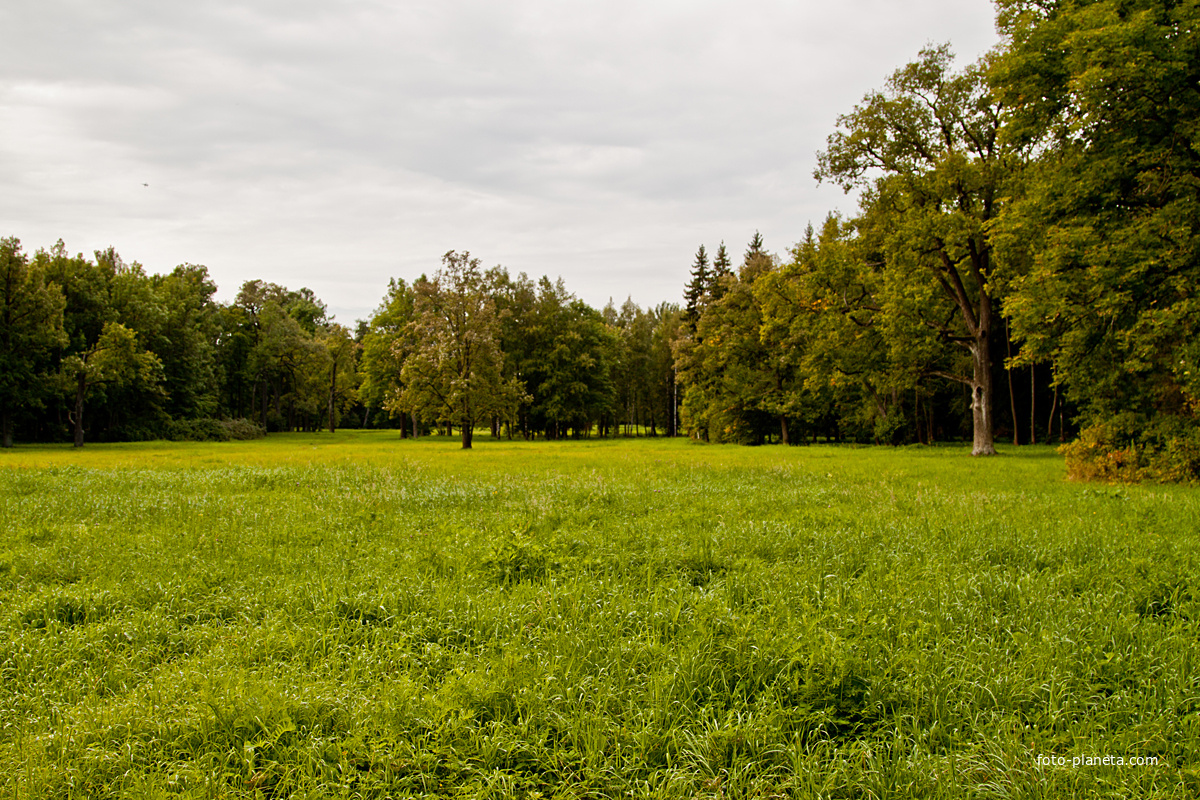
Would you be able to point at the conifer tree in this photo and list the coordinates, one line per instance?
(698, 287)
(722, 269)
(755, 249)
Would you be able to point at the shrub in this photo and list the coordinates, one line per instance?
(242, 428)
(1124, 451)
(213, 430)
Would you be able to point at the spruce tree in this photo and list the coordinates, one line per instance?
(755, 249)
(721, 268)
(698, 287)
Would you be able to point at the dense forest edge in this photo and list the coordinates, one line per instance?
(1023, 267)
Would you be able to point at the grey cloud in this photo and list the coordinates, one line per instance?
(337, 144)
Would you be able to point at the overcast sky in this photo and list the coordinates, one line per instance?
(336, 144)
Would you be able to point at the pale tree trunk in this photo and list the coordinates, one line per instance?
(783, 429)
(8, 436)
(983, 412)
(982, 396)
(332, 393)
(80, 390)
(467, 422)
(978, 321)
(1050, 423)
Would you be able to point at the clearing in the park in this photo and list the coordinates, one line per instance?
(356, 615)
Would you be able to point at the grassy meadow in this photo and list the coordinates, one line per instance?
(361, 616)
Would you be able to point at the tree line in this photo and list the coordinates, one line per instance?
(1022, 265)
(1023, 262)
(98, 349)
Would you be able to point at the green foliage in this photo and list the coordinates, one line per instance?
(386, 344)
(576, 369)
(1104, 227)
(515, 557)
(454, 374)
(820, 313)
(342, 379)
(1127, 449)
(735, 379)
(927, 151)
(31, 312)
(566, 355)
(697, 291)
(187, 341)
(277, 357)
(213, 430)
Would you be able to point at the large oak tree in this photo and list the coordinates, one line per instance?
(927, 152)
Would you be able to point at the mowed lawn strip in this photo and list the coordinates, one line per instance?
(357, 615)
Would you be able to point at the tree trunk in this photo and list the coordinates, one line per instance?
(977, 318)
(1012, 398)
(674, 404)
(1032, 406)
(1050, 422)
(7, 425)
(982, 396)
(783, 429)
(917, 412)
(467, 430)
(80, 390)
(332, 393)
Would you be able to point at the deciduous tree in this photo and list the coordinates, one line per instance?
(927, 152)
(31, 326)
(455, 373)
(1107, 225)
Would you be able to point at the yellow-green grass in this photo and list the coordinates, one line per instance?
(357, 615)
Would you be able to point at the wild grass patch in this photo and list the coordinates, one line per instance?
(653, 619)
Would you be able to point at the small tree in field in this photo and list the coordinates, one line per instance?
(454, 374)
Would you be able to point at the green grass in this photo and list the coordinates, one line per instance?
(360, 616)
